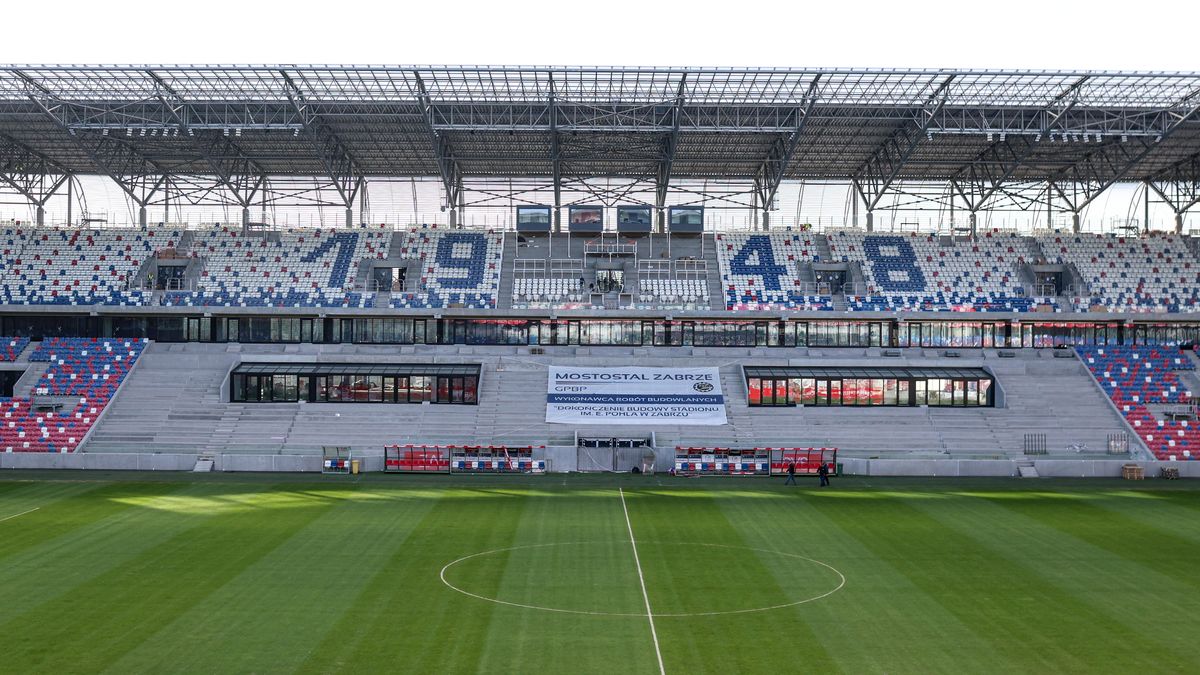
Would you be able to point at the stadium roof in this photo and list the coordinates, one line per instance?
(981, 129)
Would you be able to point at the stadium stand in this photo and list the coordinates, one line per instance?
(918, 272)
(1155, 273)
(52, 266)
(1141, 381)
(762, 271)
(11, 348)
(457, 268)
(299, 268)
(88, 370)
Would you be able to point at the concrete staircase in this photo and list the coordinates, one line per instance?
(508, 253)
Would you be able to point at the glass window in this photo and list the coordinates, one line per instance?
(422, 389)
(375, 388)
(754, 389)
(808, 388)
(889, 392)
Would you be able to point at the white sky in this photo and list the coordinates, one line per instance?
(1051, 34)
(1047, 35)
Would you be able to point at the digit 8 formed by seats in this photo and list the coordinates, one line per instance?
(887, 264)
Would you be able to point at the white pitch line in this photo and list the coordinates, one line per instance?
(17, 515)
(645, 596)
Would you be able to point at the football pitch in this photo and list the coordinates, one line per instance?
(133, 573)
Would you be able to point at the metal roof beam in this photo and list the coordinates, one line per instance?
(335, 156)
(448, 168)
(30, 173)
(242, 176)
(1098, 170)
(775, 166)
(1179, 184)
(137, 176)
(555, 157)
(670, 143)
(883, 167)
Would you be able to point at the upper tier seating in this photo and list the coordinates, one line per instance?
(761, 271)
(88, 368)
(1136, 377)
(303, 268)
(915, 272)
(52, 266)
(1125, 274)
(457, 268)
(11, 348)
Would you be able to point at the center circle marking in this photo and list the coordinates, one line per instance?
(442, 575)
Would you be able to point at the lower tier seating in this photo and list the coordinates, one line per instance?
(88, 368)
(11, 347)
(1138, 377)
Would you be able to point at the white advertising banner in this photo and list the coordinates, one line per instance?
(634, 396)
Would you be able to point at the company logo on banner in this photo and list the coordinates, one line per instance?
(634, 396)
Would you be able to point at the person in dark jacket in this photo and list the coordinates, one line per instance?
(823, 472)
(791, 473)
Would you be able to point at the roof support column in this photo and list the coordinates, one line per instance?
(883, 167)
(1146, 208)
(974, 224)
(662, 178)
(448, 169)
(555, 158)
(1179, 223)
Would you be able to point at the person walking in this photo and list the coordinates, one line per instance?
(791, 474)
(823, 472)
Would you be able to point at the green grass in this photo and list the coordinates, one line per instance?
(127, 573)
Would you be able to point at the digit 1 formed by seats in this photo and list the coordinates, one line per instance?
(472, 263)
(904, 260)
(346, 242)
(766, 266)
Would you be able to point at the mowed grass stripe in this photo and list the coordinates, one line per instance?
(1034, 625)
(1146, 605)
(1153, 546)
(596, 575)
(880, 618)
(53, 560)
(17, 496)
(404, 618)
(61, 509)
(270, 617)
(1180, 511)
(682, 577)
(109, 615)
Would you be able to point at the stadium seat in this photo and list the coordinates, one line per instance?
(458, 268)
(300, 268)
(918, 272)
(762, 271)
(88, 370)
(1155, 273)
